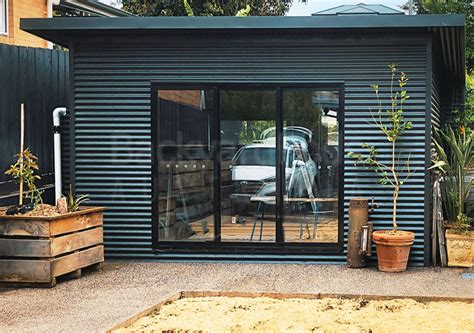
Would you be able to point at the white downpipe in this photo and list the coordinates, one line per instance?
(57, 113)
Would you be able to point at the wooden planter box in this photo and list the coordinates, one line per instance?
(36, 250)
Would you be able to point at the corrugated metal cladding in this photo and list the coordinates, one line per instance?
(113, 131)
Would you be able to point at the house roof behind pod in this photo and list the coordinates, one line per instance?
(360, 9)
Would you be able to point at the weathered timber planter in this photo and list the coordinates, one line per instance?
(35, 250)
(460, 249)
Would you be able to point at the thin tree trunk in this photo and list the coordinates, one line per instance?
(396, 187)
(395, 199)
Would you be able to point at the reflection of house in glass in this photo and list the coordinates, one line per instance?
(223, 137)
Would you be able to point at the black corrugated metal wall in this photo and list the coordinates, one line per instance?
(113, 130)
(39, 79)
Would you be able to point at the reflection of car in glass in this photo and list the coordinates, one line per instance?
(253, 166)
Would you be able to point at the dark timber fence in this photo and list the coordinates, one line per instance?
(39, 79)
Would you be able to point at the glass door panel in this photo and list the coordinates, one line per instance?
(310, 145)
(185, 177)
(248, 165)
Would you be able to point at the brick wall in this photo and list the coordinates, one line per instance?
(23, 9)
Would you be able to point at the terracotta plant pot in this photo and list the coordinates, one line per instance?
(393, 249)
(460, 249)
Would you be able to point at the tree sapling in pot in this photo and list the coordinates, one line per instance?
(393, 245)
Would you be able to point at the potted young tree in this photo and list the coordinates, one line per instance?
(455, 155)
(393, 245)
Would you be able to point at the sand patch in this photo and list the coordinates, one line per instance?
(264, 314)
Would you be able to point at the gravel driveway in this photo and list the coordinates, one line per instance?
(100, 300)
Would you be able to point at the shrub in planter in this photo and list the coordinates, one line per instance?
(455, 155)
(39, 242)
(24, 172)
(393, 246)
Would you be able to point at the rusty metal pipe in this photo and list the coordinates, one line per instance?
(358, 217)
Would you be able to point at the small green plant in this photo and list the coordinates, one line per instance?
(462, 224)
(23, 172)
(73, 202)
(390, 173)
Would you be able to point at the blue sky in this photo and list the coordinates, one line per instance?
(303, 9)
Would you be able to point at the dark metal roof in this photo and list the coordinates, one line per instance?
(49, 26)
(360, 9)
(448, 30)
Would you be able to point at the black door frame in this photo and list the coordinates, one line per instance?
(279, 247)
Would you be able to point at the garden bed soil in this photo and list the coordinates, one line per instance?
(392, 232)
(41, 210)
(265, 314)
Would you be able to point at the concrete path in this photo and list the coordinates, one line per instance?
(100, 300)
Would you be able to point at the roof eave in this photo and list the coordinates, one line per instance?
(241, 23)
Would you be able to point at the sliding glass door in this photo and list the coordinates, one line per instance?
(311, 142)
(247, 167)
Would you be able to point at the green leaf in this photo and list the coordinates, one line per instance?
(188, 8)
(438, 165)
(244, 11)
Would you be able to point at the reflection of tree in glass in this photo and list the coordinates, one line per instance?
(309, 108)
(333, 134)
(251, 112)
(299, 110)
(251, 130)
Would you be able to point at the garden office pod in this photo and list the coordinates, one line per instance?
(227, 137)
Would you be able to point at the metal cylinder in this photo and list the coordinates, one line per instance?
(358, 218)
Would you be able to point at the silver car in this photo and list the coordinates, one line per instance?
(253, 166)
